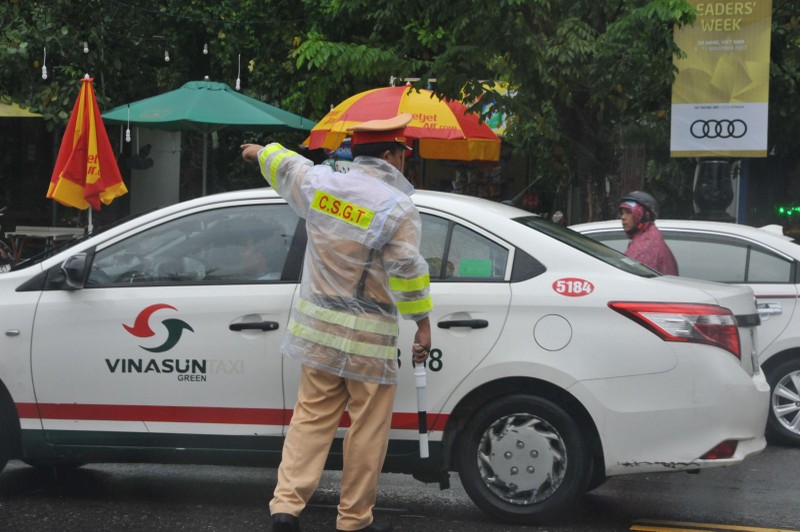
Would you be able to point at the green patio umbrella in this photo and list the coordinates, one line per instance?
(206, 106)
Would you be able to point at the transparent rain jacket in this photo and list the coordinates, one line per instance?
(362, 264)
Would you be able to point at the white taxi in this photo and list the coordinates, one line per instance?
(556, 361)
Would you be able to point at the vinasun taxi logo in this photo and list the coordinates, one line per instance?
(186, 369)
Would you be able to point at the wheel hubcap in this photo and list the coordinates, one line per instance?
(522, 459)
(786, 401)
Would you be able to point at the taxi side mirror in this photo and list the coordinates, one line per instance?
(74, 269)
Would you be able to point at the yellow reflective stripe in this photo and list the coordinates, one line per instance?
(415, 307)
(269, 150)
(409, 285)
(343, 210)
(265, 154)
(345, 345)
(273, 166)
(346, 319)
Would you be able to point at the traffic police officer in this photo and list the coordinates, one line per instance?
(362, 268)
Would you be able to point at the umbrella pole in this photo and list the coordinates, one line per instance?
(205, 160)
(89, 224)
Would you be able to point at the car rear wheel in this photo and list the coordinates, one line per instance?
(6, 434)
(522, 459)
(783, 425)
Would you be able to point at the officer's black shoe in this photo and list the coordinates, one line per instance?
(374, 527)
(285, 523)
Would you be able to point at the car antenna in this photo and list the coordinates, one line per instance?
(513, 200)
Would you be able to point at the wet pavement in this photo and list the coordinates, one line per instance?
(762, 493)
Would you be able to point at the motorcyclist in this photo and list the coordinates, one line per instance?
(638, 211)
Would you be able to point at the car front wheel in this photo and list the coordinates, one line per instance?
(783, 425)
(522, 459)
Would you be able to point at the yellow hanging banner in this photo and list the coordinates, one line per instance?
(720, 96)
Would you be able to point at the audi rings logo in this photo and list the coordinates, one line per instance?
(718, 129)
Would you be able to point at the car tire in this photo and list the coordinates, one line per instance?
(597, 478)
(783, 424)
(6, 434)
(523, 459)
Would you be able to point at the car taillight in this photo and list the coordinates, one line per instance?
(685, 322)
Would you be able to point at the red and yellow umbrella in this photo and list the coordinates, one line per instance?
(445, 129)
(86, 172)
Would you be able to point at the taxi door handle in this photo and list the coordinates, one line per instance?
(257, 325)
(472, 324)
(769, 309)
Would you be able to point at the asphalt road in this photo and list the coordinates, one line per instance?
(761, 495)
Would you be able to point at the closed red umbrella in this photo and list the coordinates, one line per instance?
(86, 172)
(445, 129)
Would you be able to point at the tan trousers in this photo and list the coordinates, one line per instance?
(322, 398)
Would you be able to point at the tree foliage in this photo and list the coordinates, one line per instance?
(587, 77)
(784, 116)
(127, 42)
(581, 71)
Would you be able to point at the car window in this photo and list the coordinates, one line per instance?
(766, 267)
(455, 252)
(246, 244)
(709, 260)
(616, 240)
(593, 246)
(726, 260)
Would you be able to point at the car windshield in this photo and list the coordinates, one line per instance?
(587, 245)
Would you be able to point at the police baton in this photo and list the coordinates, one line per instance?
(422, 414)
